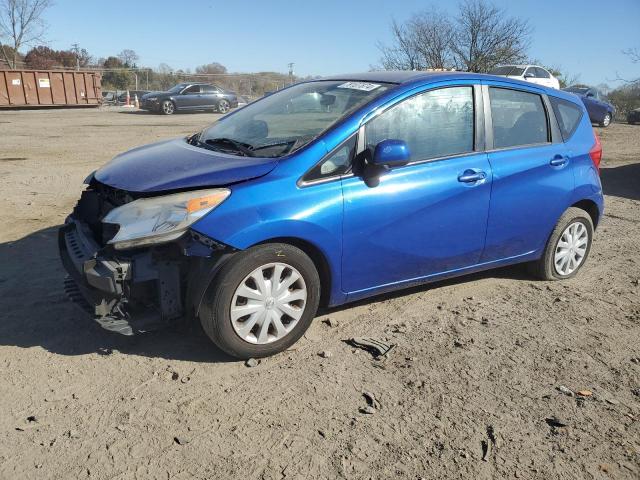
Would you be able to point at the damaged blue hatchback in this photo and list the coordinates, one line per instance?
(331, 191)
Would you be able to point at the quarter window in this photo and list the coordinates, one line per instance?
(568, 115)
(437, 123)
(337, 163)
(519, 118)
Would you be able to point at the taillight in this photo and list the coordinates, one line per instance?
(596, 152)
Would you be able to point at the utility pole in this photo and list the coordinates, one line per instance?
(75, 48)
(290, 65)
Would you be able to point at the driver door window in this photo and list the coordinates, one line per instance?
(192, 90)
(434, 124)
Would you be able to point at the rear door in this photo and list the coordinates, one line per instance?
(209, 96)
(532, 178)
(429, 216)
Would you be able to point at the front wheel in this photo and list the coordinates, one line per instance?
(606, 121)
(568, 246)
(167, 107)
(262, 301)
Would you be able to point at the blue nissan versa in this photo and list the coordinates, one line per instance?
(330, 191)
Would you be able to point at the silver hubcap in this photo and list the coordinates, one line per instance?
(268, 303)
(571, 248)
(168, 107)
(223, 106)
(607, 120)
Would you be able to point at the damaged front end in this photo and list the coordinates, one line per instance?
(137, 288)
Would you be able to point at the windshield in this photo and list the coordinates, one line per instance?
(507, 70)
(288, 119)
(178, 88)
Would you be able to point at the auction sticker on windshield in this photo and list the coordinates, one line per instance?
(364, 86)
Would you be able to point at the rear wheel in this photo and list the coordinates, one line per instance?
(167, 107)
(606, 121)
(223, 106)
(262, 301)
(568, 247)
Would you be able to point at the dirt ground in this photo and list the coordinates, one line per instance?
(470, 391)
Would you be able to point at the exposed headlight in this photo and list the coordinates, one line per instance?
(161, 219)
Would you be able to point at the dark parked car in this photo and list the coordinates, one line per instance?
(600, 111)
(633, 116)
(190, 97)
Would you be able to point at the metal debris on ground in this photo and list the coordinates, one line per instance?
(376, 347)
(565, 390)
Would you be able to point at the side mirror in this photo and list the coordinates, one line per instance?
(590, 95)
(391, 153)
(529, 75)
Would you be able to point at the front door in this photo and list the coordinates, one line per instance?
(189, 99)
(429, 216)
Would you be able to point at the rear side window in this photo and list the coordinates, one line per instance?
(519, 118)
(542, 73)
(437, 123)
(568, 115)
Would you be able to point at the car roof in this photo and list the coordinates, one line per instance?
(404, 77)
(401, 77)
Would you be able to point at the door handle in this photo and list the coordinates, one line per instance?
(558, 161)
(471, 176)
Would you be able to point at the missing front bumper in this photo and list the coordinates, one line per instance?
(126, 294)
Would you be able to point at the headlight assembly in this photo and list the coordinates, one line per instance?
(162, 219)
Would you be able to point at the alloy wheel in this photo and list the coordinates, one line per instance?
(607, 120)
(268, 303)
(223, 106)
(168, 108)
(571, 248)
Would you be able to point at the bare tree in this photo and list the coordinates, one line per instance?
(633, 54)
(211, 68)
(21, 24)
(486, 37)
(403, 55)
(477, 39)
(434, 35)
(128, 57)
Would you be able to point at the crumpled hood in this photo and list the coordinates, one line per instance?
(174, 164)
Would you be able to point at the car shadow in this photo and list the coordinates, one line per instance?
(177, 112)
(37, 313)
(621, 181)
(512, 272)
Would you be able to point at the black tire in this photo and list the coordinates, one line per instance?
(544, 268)
(606, 121)
(215, 315)
(167, 107)
(223, 106)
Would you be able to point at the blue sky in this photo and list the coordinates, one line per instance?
(332, 36)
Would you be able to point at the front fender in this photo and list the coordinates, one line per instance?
(275, 207)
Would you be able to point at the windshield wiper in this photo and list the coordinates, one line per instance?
(291, 144)
(243, 148)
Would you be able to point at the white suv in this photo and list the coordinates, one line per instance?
(528, 73)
